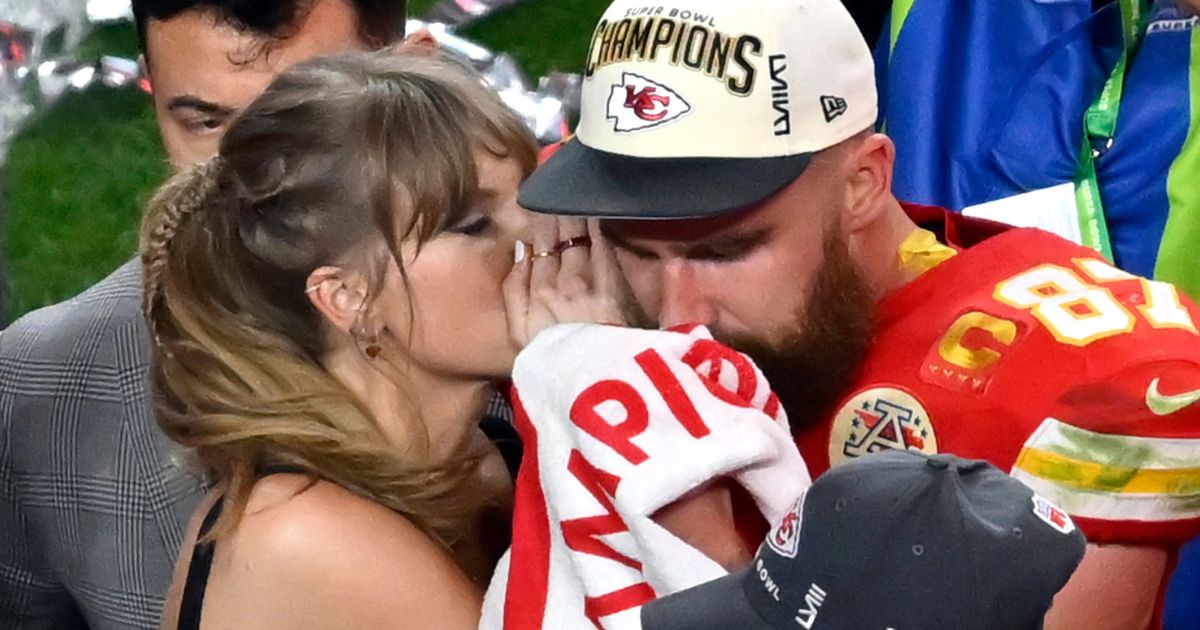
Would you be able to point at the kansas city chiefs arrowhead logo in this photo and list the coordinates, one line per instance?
(785, 538)
(638, 103)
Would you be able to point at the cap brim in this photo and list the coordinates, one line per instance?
(720, 603)
(582, 181)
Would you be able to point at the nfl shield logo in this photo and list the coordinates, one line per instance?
(1052, 515)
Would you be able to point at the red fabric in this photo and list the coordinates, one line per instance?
(529, 563)
(545, 152)
(1099, 387)
(956, 230)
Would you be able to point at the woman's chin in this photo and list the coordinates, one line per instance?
(499, 369)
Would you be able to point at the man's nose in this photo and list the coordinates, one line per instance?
(684, 300)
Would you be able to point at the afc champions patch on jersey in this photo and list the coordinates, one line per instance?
(785, 538)
(878, 419)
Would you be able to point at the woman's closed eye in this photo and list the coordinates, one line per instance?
(474, 225)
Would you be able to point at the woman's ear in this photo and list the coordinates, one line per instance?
(869, 164)
(339, 295)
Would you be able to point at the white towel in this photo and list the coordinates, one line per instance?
(618, 423)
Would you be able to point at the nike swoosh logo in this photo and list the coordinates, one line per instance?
(1162, 405)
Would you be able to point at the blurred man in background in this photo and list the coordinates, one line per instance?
(92, 500)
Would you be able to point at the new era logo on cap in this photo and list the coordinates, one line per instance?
(638, 103)
(833, 107)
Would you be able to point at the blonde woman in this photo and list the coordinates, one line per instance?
(326, 300)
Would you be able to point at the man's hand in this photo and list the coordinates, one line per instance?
(705, 520)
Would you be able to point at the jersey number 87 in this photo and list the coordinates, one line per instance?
(1078, 312)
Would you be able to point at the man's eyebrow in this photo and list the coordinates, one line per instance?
(607, 232)
(612, 236)
(730, 241)
(733, 240)
(616, 240)
(198, 104)
(752, 237)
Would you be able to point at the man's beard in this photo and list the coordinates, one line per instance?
(811, 367)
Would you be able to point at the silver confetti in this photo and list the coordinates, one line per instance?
(505, 74)
(109, 10)
(478, 55)
(567, 88)
(544, 113)
(463, 12)
(55, 26)
(30, 32)
(544, 116)
(16, 56)
(118, 72)
(13, 112)
(30, 80)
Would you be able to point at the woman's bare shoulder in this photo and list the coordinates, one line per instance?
(313, 554)
(289, 516)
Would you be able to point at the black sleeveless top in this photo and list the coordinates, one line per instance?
(191, 604)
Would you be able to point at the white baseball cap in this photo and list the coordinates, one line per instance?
(698, 107)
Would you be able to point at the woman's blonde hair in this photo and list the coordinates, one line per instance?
(335, 154)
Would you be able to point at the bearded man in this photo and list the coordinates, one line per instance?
(729, 150)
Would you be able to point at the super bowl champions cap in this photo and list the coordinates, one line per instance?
(697, 107)
(895, 540)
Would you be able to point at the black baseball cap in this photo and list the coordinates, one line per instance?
(694, 108)
(895, 540)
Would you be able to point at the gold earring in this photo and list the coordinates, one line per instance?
(372, 349)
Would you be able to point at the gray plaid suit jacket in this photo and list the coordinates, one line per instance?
(93, 501)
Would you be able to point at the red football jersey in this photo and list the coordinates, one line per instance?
(1037, 355)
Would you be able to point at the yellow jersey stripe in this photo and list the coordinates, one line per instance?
(1093, 476)
(1114, 450)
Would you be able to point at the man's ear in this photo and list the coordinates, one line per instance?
(420, 42)
(339, 295)
(869, 163)
(144, 71)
